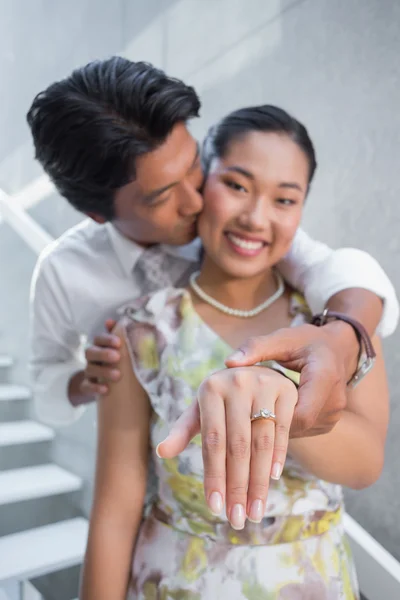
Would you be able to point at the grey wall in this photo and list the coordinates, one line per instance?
(335, 65)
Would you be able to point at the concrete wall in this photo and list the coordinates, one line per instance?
(333, 64)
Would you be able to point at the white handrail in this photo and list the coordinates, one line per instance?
(23, 224)
(34, 192)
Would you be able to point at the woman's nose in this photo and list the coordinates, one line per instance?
(256, 215)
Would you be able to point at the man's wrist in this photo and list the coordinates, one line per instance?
(348, 343)
(362, 305)
(74, 392)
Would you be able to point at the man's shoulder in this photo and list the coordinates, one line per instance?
(85, 240)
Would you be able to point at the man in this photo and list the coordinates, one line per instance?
(113, 139)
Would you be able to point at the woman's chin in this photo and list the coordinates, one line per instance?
(242, 271)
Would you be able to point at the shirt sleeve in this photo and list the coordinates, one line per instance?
(320, 272)
(56, 352)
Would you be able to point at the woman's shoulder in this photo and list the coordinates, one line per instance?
(153, 322)
(152, 307)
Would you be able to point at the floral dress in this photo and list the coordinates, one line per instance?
(298, 552)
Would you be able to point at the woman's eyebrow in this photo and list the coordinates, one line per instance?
(241, 171)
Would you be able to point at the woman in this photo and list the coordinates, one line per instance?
(259, 164)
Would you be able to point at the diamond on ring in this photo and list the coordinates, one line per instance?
(263, 414)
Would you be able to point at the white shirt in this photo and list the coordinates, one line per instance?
(82, 278)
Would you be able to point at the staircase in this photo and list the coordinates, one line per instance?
(28, 551)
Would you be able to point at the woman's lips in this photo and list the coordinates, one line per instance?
(245, 246)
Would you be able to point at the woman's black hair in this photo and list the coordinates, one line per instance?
(266, 118)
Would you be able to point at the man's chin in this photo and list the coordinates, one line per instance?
(184, 239)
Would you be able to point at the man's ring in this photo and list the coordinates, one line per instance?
(263, 414)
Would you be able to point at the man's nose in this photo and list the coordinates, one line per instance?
(191, 201)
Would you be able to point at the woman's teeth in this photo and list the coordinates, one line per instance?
(245, 244)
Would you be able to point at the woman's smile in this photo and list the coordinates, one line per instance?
(245, 245)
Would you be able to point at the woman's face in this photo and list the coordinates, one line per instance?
(253, 202)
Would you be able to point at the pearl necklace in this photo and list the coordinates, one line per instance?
(234, 312)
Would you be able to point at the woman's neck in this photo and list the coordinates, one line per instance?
(243, 293)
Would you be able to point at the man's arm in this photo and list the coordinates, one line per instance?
(55, 347)
(353, 453)
(322, 274)
(348, 281)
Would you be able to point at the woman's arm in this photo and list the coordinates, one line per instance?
(121, 476)
(352, 454)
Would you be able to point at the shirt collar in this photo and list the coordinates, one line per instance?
(190, 252)
(127, 251)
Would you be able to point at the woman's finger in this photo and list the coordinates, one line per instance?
(213, 439)
(238, 445)
(262, 446)
(284, 410)
(181, 434)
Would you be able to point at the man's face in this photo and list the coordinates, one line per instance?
(162, 204)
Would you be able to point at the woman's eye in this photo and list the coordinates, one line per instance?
(235, 186)
(286, 201)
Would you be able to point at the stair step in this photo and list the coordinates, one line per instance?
(10, 391)
(43, 550)
(13, 433)
(5, 362)
(36, 482)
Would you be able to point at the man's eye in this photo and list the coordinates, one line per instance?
(157, 201)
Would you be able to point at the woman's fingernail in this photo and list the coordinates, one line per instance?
(215, 503)
(157, 450)
(276, 471)
(238, 516)
(256, 511)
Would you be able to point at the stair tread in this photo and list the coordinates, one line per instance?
(43, 550)
(5, 361)
(36, 482)
(10, 391)
(24, 432)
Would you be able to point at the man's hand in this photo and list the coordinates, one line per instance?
(102, 359)
(325, 356)
(239, 456)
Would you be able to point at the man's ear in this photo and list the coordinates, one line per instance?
(97, 218)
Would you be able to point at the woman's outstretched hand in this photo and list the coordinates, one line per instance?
(239, 456)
